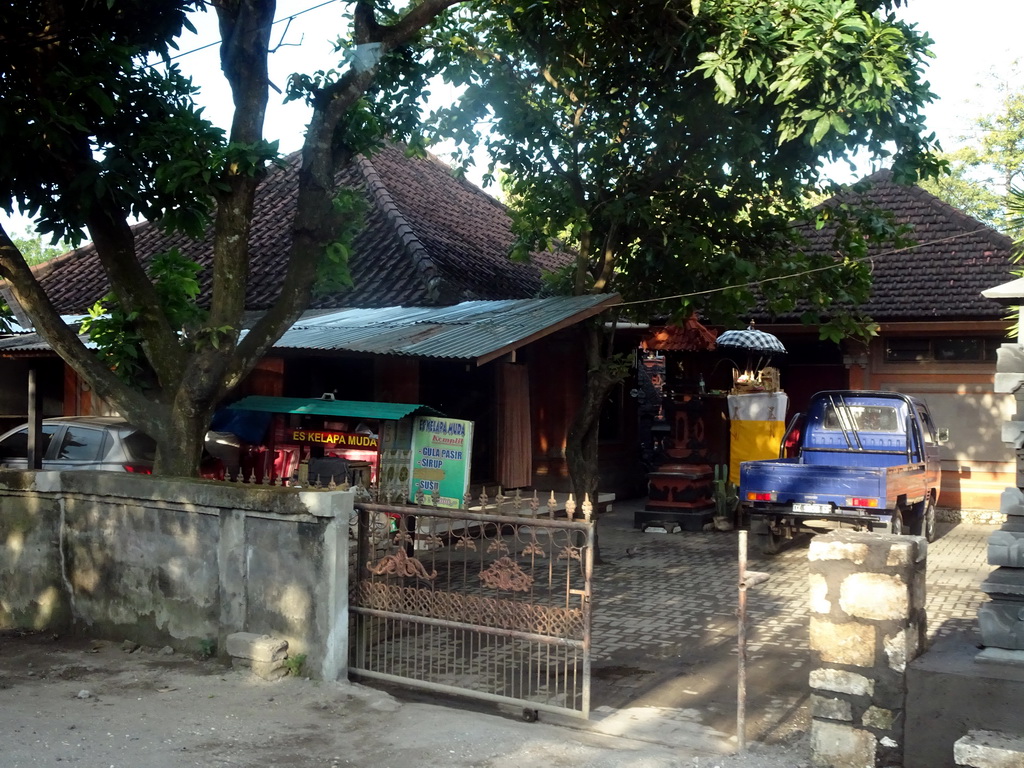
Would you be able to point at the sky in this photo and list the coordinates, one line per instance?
(974, 46)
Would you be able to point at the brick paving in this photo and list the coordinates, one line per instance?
(664, 662)
(664, 625)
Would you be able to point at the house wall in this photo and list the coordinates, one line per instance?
(176, 562)
(14, 389)
(976, 465)
(556, 390)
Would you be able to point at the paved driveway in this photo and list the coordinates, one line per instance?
(665, 628)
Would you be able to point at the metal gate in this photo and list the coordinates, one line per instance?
(491, 603)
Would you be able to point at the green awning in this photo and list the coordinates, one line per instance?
(352, 409)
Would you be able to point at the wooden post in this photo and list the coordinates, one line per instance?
(35, 421)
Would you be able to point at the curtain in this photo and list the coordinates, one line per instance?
(515, 434)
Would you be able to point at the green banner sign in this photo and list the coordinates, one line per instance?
(441, 452)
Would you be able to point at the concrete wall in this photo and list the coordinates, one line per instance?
(175, 562)
(950, 692)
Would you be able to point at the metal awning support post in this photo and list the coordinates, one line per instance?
(746, 580)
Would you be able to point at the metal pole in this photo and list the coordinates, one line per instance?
(741, 649)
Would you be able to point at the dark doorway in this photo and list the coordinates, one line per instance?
(465, 391)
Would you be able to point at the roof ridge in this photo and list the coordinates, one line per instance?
(884, 176)
(418, 255)
(969, 223)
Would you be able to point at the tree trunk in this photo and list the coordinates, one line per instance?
(581, 450)
(180, 444)
(179, 449)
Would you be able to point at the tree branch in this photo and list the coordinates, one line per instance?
(65, 342)
(245, 27)
(313, 225)
(115, 247)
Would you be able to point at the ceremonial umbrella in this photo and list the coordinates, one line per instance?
(763, 345)
(759, 342)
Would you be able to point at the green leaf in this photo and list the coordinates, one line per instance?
(725, 84)
(840, 125)
(820, 129)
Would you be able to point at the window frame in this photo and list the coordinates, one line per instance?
(928, 352)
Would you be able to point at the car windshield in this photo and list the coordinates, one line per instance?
(863, 418)
(141, 447)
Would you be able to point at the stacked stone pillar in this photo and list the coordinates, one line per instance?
(1002, 620)
(867, 624)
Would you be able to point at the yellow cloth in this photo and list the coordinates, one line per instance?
(757, 424)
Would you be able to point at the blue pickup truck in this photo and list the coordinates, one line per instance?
(861, 459)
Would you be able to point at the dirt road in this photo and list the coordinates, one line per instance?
(95, 705)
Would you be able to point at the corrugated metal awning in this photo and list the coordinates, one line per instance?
(473, 330)
(479, 331)
(351, 409)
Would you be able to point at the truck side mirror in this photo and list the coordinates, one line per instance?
(942, 434)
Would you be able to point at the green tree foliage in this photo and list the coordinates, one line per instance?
(983, 171)
(37, 250)
(97, 136)
(670, 144)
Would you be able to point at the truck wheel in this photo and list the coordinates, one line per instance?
(895, 526)
(928, 521)
(769, 543)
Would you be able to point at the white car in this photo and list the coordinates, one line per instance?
(90, 442)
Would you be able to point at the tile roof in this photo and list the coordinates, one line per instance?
(429, 239)
(955, 258)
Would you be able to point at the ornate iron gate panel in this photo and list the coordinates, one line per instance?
(486, 605)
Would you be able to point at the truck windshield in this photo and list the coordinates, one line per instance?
(863, 418)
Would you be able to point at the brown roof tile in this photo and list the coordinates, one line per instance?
(955, 258)
(429, 239)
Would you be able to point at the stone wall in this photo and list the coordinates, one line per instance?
(176, 562)
(867, 623)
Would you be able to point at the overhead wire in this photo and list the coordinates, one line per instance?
(284, 19)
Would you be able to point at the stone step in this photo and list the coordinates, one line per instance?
(989, 749)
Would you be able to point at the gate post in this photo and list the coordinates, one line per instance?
(337, 507)
(867, 597)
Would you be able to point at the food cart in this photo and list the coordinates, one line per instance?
(400, 447)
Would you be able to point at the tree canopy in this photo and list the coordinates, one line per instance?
(671, 144)
(37, 249)
(989, 163)
(667, 143)
(97, 135)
